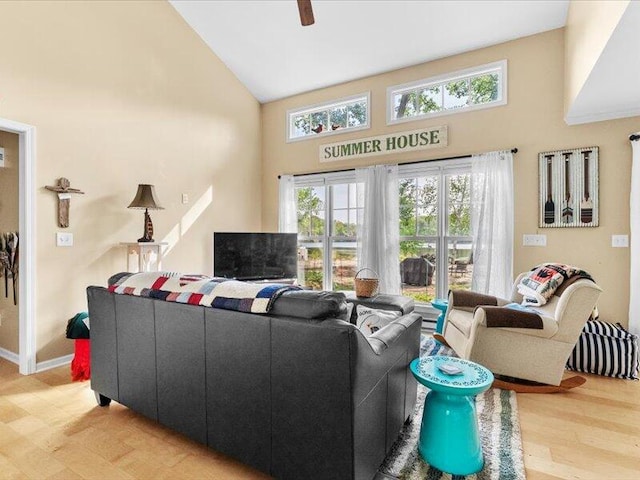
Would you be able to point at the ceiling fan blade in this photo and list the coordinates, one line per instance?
(306, 12)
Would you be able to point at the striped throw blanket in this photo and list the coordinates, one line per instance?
(201, 290)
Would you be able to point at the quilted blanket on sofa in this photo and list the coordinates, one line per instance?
(201, 290)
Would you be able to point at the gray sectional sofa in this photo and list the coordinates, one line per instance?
(297, 393)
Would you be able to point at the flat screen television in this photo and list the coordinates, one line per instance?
(255, 256)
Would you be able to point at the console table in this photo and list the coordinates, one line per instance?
(144, 256)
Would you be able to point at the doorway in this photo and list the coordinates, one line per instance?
(26, 229)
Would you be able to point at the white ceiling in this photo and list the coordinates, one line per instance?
(264, 45)
(612, 88)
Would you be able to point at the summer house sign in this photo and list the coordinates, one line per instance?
(422, 139)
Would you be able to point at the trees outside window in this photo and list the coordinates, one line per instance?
(434, 224)
(327, 219)
(478, 87)
(329, 118)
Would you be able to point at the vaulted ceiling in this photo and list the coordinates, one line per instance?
(265, 46)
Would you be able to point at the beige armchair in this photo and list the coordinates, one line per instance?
(538, 355)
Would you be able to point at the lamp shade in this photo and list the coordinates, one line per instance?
(146, 198)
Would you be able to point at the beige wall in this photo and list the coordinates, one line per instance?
(9, 223)
(123, 93)
(588, 29)
(532, 121)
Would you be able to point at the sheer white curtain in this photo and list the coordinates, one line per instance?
(492, 223)
(378, 236)
(634, 283)
(287, 214)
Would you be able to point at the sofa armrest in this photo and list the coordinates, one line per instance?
(480, 321)
(508, 317)
(385, 337)
(468, 300)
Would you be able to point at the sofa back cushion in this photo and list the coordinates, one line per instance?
(311, 304)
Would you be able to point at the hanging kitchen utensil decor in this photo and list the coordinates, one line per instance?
(568, 188)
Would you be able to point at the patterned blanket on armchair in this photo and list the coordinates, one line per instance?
(201, 290)
(542, 282)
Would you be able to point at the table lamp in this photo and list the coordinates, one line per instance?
(146, 198)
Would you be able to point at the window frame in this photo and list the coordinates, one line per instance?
(327, 180)
(440, 168)
(499, 67)
(326, 106)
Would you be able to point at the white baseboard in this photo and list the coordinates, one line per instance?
(53, 363)
(40, 366)
(10, 356)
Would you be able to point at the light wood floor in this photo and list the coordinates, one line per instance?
(51, 428)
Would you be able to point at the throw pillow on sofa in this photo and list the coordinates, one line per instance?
(370, 320)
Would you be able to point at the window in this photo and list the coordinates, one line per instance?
(347, 114)
(327, 217)
(462, 91)
(435, 227)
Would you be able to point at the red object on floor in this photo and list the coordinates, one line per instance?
(81, 363)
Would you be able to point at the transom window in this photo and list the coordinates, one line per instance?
(480, 87)
(346, 114)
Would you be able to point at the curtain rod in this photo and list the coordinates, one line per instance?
(513, 150)
(634, 137)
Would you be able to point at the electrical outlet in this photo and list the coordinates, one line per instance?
(620, 241)
(534, 240)
(185, 198)
(64, 239)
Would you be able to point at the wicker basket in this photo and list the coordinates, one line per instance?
(366, 287)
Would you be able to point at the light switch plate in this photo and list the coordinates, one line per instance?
(620, 241)
(534, 240)
(185, 198)
(64, 239)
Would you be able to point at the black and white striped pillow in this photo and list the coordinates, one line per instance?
(605, 349)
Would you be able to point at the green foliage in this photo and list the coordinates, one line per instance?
(477, 90)
(419, 296)
(407, 189)
(313, 279)
(342, 229)
(459, 205)
(319, 118)
(409, 249)
(484, 89)
(309, 207)
(302, 124)
(459, 89)
(338, 116)
(357, 114)
(341, 286)
(314, 254)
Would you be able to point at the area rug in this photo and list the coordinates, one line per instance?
(499, 432)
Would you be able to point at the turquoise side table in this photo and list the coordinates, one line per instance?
(442, 305)
(449, 436)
